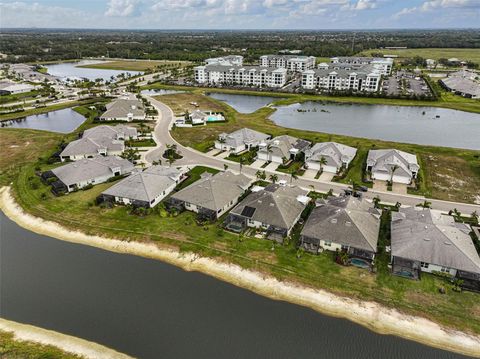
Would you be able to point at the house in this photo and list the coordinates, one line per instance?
(282, 149)
(124, 109)
(13, 88)
(274, 209)
(222, 74)
(336, 155)
(430, 63)
(212, 195)
(145, 189)
(394, 165)
(240, 140)
(425, 240)
(77, 175)
(292, 63)
(343, 224)
(101, 140)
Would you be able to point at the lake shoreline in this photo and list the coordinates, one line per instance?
(64, 342)
(375, 317)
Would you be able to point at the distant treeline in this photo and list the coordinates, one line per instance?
(50, 45)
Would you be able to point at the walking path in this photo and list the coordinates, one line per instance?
(192, 157)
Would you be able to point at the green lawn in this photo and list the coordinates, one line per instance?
(5, 99)
(247, 157)
(430, 53)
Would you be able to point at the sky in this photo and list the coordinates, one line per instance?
(240, 14)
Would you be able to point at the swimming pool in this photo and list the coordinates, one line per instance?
(215, 118)
(357, 262)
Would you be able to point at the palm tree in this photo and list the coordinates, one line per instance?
(261, 175)
(240, 162)
(225, 166)
(130, 154)
(426, 204)
(293, 176)
(475, 216)
(392, 171)
(269, 151)
(322, 161)
(273, 178)
(376, 201)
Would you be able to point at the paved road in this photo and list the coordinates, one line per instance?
(193, 157)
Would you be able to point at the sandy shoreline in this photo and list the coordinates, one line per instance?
(369, 314)
(65, 342)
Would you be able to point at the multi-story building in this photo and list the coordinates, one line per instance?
(383, 65)
(364, 78)
(240, 75)
(290, 62)
(226, 60)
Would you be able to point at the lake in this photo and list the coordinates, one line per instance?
(70, 70)
(410, 124)
(150, 309)
(243, 103)
(63, 121)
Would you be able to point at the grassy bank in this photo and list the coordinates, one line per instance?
(440, 165)
(12, 348)
(138, 65)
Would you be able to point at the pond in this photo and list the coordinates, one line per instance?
(70, 70)
(410, 124)
(63, 121)
(159, 92)
(149, 309)
(243, 103)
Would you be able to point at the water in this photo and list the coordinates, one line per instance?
(159, 92)
(243, 103)
(392, 123)
(63, 121)
(69, 70)
(150, 309)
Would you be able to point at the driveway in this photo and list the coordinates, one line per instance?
(326, 176)
(213, 152)
(271, 167)
(310, 174)
(380, 186)
(257, 164)
(399, 188)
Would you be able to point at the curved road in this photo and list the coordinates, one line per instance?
(192, 157)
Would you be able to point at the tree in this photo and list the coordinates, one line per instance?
(240, 162)
(293, 176)
(392, 172)
(376, 201)
(273, 178)
(322, 161)
(426, 204)
(261, 175)
(225, 166)
(475, 216)
(131, 154)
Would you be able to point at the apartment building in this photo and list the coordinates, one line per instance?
(290, 62)
(226, 60)
(383, 65)
(364, 78)
(240, 75)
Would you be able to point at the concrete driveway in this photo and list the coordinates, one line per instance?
(380, 185)
(326, 176)
(223, 154)
(213, 152)
(257, 164)
(399, 188)
(272, 166)
(310, 174)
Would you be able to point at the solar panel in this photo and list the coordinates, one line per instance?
(248, 211)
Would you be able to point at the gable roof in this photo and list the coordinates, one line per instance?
(122, 107)
(425, 235)
(88, 146)
(214, 192)
(281, 145)
(242, 136)
(275, 205)
(87, 169)
(384, 160)
(345, 220)
(147, 185)
(335, 153)
(113, 132)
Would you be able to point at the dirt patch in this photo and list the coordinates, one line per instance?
(270, 257)
(181, 102)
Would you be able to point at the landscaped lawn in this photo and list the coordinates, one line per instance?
(247, 157)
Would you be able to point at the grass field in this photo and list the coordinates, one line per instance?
(12, 348)
(434, 53)
(437, 176)
(6, 99)
(137, 65)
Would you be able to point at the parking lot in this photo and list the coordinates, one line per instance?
(405, 83)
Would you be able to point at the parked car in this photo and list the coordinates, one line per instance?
(363, 188)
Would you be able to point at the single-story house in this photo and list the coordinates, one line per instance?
(13, 88)
(76, 175)
(212, 195)
(395, 165)
(274, 209)
(343, 223)
(124, 109)
(145, 189)
(335, 154)
(240, 140)
(282, 149)
(425, 240)
(101, 140)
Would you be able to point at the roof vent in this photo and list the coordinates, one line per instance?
(348, 223)
(426, 239)
(334, 220)
(447, 243)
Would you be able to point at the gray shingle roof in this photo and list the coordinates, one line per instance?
(214, 192)
(217, 67)
(345, 220)
(122, 107)
(113, 132)
(429, 236)
(275, 205)
(335, 153)
(243, 136)
(281, 145)
(88, 146)
(147, 185)
(384, 160)
(91, 168)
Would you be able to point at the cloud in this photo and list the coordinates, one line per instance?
(122, 8)
(438, 5)
(364, 5)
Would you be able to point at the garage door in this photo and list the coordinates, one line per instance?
(401, 179)
(381, 176)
